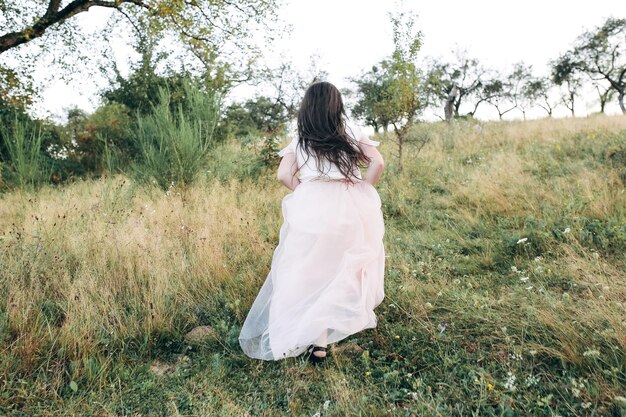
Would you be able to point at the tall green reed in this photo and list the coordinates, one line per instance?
(26, 165)
(174, 141)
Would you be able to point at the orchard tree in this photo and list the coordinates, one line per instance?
(452, 83)
(605, 91)
(374, 97)
(404, 87)
(566, 74)
(517, 80)
(497, 92)
(539, 91)
(602, 55)
(391, 93)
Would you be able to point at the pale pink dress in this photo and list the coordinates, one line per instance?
(327, 270)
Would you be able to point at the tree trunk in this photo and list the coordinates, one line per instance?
(620, 98)
(400, 135)
(449, 108)
(400, 146)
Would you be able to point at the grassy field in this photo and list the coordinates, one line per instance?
(505, 287)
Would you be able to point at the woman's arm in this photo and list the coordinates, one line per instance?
(376, 166)
(287, 171)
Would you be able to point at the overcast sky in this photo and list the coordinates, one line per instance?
(352, 35)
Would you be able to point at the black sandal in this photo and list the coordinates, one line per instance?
(317, 359)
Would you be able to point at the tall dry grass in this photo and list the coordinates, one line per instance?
(98, 276)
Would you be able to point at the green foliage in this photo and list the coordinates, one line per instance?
(600, 54)
(16, 88)
(260, 116)
(458, 80)
(373, 98)
(218, 38)
(25, 165)
(173, 144)
(141, 89)
(97, 143)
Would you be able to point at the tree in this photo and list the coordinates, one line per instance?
(452, 83)
(602, 55)
(605, 91)
(406, 99)
(16, 89)
(220, 37)
(374, 97)
(287, 84)
(538, 90)
(260, 116)
(498, 93)
(139, 91)
(565, 73)
(95, 142)
(517, 80)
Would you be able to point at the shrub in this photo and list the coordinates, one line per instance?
(26, 164)
(173, 143)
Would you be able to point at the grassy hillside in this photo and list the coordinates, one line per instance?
(505, 287)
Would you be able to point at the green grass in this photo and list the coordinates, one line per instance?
(101, 280)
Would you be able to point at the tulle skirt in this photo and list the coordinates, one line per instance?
(326, 275)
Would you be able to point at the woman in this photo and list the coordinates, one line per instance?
(326, 275)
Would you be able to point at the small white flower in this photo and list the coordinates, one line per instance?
(529, 288)
(523, 279)
(326, 404)
(567, 230)
(522, 240)
(532, 380)
(513, 269)
(510, 381)
(592, 353)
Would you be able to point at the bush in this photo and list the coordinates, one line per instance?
(173, 144)
(26, 165)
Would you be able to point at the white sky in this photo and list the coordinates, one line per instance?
(351, 35)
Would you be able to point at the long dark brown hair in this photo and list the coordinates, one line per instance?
(322, 130)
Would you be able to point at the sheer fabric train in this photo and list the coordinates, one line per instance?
(326, 272)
